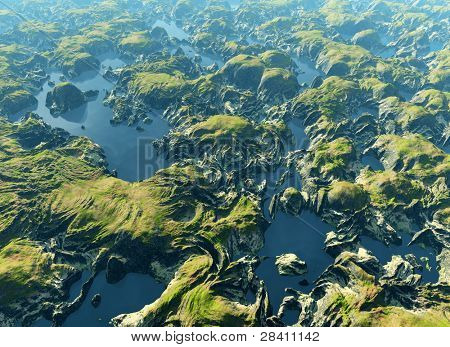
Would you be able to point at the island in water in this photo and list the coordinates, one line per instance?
(253, 163)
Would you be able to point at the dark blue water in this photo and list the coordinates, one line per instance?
(250, 297)
(254, 41)
(290, 317)
(75, 288)
(303, 236)
(385, 253)
(123, 145)
(405, 95)
(386, 52)
(446, 148)
(42, 323)
(129, 295)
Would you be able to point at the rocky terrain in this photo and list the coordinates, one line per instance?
(367, 84)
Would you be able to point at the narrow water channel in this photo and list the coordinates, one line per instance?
(175, 31)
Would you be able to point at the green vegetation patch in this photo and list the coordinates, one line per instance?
(276, 59)
(192, 300)
(138, 42)
(393, 316)
(25, 269)
(331, 98)
(347, 196)
(244, 70)
(339, 59)
(377, 88)
(332, 158)
(277, 81)
(157, 88)
(17, 101)
(223, 126)
(417, 155)
(440, 69)
(278, 24)
(390, 188)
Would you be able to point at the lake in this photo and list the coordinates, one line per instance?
(123, 146)
(303, 236)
